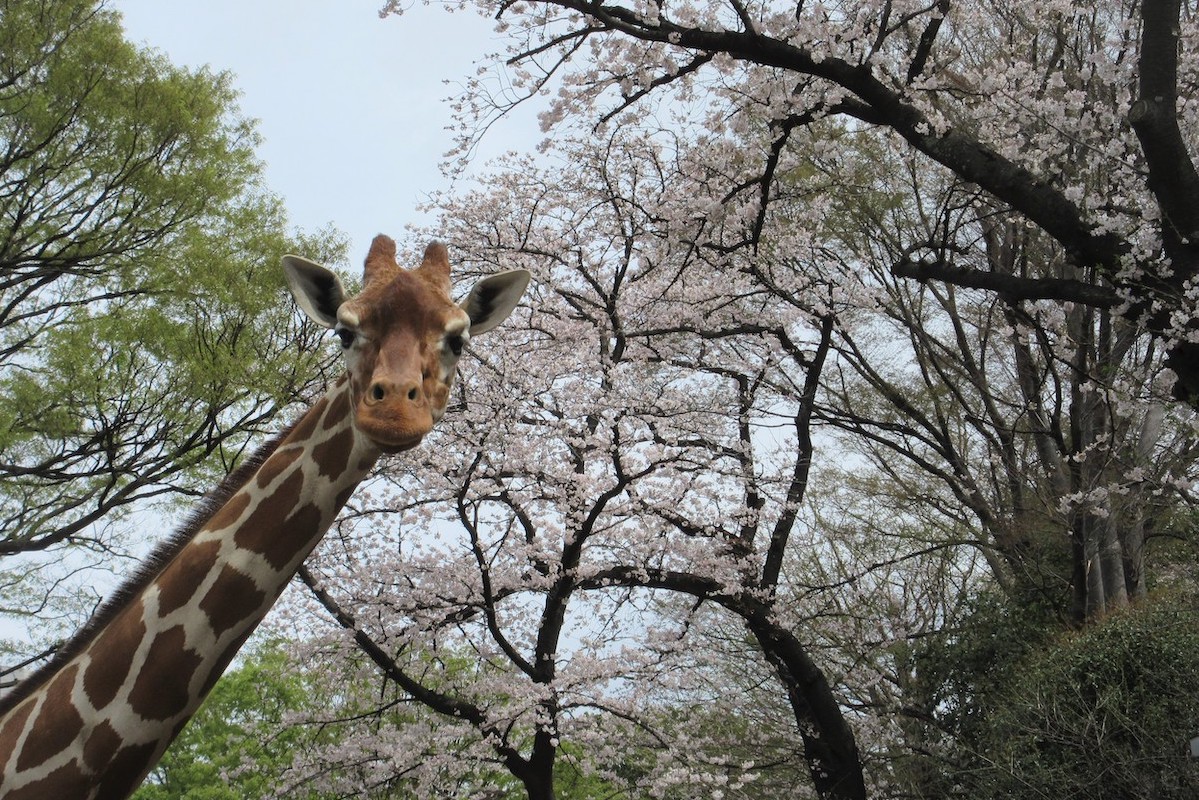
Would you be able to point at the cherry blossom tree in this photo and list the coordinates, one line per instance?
(628, 473)
(1071, 118)
(1034, 166)
(626, 468)
(1028, 436)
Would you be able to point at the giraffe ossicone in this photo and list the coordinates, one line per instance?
(95, 719)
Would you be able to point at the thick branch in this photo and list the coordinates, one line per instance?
(829, 745)
(925, 46)
(781, 534)
(1154, 118)
(1011, 286)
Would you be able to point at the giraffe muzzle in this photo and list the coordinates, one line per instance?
(395, 416)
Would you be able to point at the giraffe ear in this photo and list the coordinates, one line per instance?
(492, 299)
(318, 292)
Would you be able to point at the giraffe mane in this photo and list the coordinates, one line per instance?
(149, 568)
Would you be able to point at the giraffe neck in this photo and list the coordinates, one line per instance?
(96, 725)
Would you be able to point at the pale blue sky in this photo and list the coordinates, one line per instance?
(351, 107)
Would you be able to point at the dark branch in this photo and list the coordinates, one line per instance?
(924, 47)
(1154, 118)
(1010, 286)
(441, 703)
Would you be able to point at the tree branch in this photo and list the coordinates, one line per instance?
(963, 154)
(829, 745)
(1011, 286)
(441, 703)
(1154, 118)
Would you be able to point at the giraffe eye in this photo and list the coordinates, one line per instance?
(455, 344)
(346, 336)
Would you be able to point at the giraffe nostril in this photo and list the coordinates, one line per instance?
(377, 392)
(412, 393)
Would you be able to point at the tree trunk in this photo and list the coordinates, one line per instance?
(1111, 559)
(830, 749)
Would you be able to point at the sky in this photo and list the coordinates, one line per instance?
(352, 108)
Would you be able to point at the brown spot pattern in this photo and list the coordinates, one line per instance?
(264, 528)
(228, 513)
(276, 464)
(100, 747)
(343, 497)
(12, 731)
(222, 662)
(297, 530)
(307, 424)
(68, 781)
(230, 600)
(56, 725)
(127, 770)
(339, 409)
(333, 454)
(112, 655)
(161, 688)
(181, 579)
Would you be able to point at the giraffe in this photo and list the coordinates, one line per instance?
(96, 718)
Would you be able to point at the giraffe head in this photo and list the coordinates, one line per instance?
(402, 335)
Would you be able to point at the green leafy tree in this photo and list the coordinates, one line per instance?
(237, 746)
(142, 340)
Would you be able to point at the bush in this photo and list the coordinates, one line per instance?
(1106, 712)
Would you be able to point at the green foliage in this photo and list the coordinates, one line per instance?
(265, 714)
(573, 783)
(145, 336)
(953, 682)
(1106, 712)
(1020, 706)
(959, 669)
